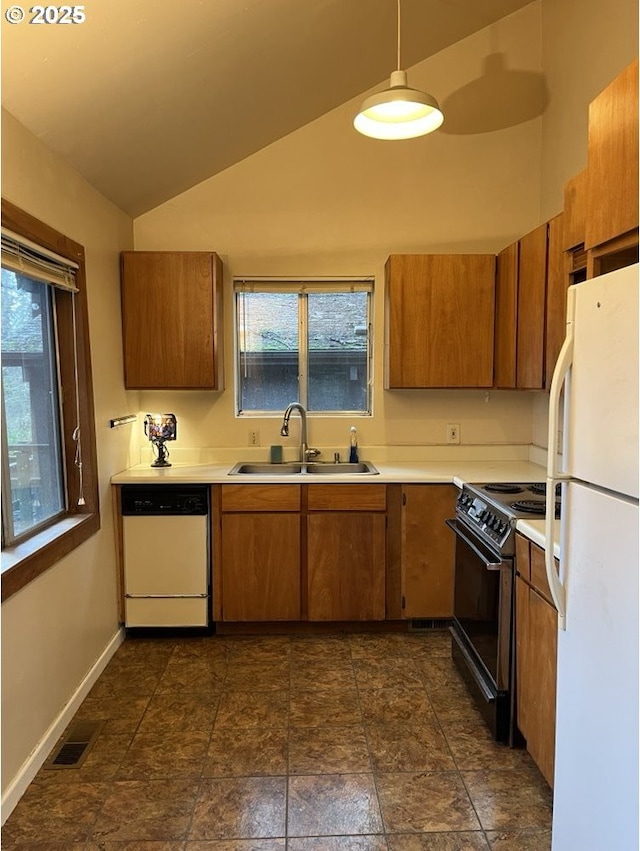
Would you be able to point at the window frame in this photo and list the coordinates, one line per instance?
(32, 556)
(303, 287)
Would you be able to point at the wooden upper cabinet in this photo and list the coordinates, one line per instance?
(575, 211)
(439, 320)
(531, 292)
(532, 283)
(612, 184)
(172, 320)
(506, 334)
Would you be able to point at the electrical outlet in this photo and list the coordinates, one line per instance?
(254, 437)
(559, 437)
(453, 432)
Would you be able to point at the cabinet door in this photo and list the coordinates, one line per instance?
(506, 317)
(524, 685)
(427, 551)
(541, 656)
(575, 211)
(536, 658)
(260, 567)
(612, 183)
(439, 320)
(171, 319)
(346, 566)
(532, 276)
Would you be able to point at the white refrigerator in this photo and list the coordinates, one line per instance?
(596, 590)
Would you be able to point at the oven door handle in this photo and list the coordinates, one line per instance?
(489, 565)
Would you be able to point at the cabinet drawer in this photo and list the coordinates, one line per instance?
(347, 497)
(539, 573)
(260, 497)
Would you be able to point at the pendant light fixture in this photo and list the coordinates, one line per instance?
(399, 112)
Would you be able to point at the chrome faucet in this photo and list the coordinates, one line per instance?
(305, 452)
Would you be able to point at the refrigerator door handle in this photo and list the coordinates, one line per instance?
(554, 475)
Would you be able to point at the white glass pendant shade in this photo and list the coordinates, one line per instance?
(399, 112)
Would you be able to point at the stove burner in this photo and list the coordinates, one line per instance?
(503, 487)
(531, 506)
(541, 488)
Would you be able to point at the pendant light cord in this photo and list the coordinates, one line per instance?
(399, 67)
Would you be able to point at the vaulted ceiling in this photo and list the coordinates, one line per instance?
(148, 98)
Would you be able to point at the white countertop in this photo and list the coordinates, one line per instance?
(423, 472)
(426, 472)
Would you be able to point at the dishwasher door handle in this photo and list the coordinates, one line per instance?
(166, 596)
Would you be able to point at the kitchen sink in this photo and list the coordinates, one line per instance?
(248, 468)
(266, 469)
(327, 468)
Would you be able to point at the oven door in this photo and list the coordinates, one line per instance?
(482, 626)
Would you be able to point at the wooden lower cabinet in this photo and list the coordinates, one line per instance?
(257, 552)
(292, 553)
(346, 552)
(536, 660)
(427, 551)
(260, 567)
(346, 566)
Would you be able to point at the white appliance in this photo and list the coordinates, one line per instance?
(166, 555)
(596, 592)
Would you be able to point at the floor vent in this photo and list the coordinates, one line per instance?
(425, 624)
(75, 745)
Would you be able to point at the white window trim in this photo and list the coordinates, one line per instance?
(301, 286)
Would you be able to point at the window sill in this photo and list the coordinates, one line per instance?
(23, 563)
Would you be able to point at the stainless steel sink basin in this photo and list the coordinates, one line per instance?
(247, 468)
(266, 469)
(364, 467)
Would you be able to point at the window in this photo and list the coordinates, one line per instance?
(49, 477)
(33, 474)
(305, 341)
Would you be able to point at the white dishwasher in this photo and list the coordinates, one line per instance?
(166, 555)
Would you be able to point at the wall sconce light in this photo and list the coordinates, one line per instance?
(160, 428)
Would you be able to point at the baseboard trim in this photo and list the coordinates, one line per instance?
(17, 787)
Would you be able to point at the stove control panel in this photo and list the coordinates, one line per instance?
(484, 517)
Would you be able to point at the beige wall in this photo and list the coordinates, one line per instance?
(326, 201)
(56, 628)
(586, 43)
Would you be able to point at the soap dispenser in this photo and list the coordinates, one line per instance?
(353, 446)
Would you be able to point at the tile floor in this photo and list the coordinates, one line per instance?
(317, 743)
